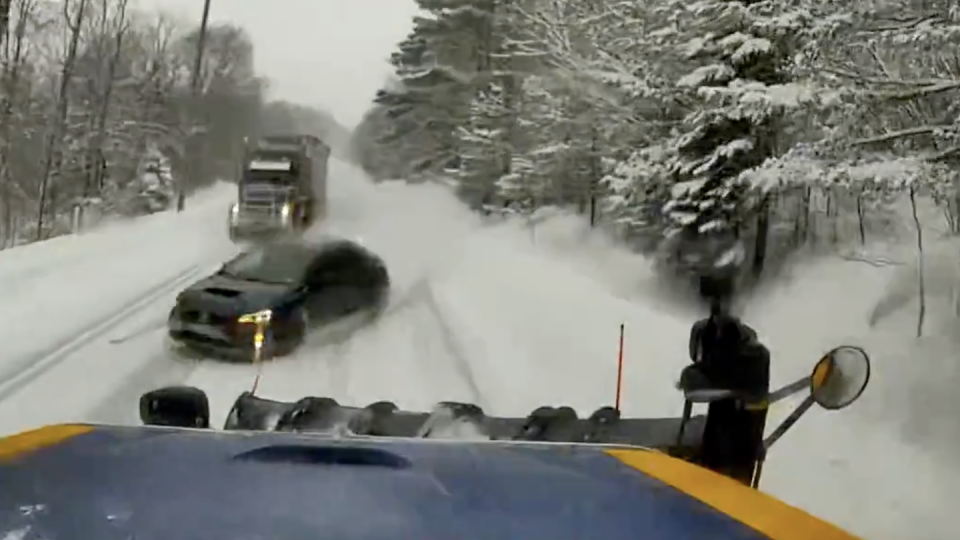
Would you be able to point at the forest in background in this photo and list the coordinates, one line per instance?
(682, 125)
(98, 115)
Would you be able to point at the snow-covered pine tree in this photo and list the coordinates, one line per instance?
(903, 58)
(893, 105)
(574, 98)
(542, 162)
(592, 95)
(485, 151)
(499, 138)
(423, 107)
(436, 68)
(738, 92)
(544, 108)
(604, 85)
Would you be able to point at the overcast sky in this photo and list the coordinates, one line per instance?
(328, 53)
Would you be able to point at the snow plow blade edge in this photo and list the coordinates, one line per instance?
(452, 420)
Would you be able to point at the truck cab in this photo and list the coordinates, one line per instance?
(282, 187)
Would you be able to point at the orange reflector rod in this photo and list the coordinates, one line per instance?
(619, 370)
(259, 337)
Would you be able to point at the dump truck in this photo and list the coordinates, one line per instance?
(282, 187)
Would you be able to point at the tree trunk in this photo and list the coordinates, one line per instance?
(51, 157)
(833, 213)
(956, 208)
(760, 241)
(96, 87)
(594, 175)
(4, 21)
(863, 231)
(194, 151)
(9, 94)
(99, 160)
(921, 285)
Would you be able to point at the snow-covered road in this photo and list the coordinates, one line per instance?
(479, 315)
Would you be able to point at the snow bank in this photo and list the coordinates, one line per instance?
(882, 475)
(417, 229)
(61, 251)
(551, 334)
(567, 238)
(882, 468)
(62, 286)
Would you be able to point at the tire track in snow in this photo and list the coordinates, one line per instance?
(162, 369)
(165, 369)
(420, 297)
(336, 351)
(457, 351)
(29, 369)
(332, 348)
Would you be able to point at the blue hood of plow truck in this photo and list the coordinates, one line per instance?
(115, 483)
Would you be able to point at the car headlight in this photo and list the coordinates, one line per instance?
(260, 317)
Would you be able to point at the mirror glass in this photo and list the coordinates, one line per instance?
(176, 406)
(840, 377)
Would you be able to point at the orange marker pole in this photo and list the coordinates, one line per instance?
(619, 370)
(258, 339)
(256, 382)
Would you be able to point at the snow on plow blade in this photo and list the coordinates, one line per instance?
(452, 420)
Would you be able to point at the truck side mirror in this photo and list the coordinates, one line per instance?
(175, 406)
(840, 377)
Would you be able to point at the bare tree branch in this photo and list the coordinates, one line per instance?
(902, 134)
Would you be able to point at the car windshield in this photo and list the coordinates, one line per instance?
(271, 264)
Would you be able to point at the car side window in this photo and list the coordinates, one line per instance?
(322, 273)
(353, 268)
(330, 270)
(368, 272)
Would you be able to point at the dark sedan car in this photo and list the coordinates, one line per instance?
(286, 288)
